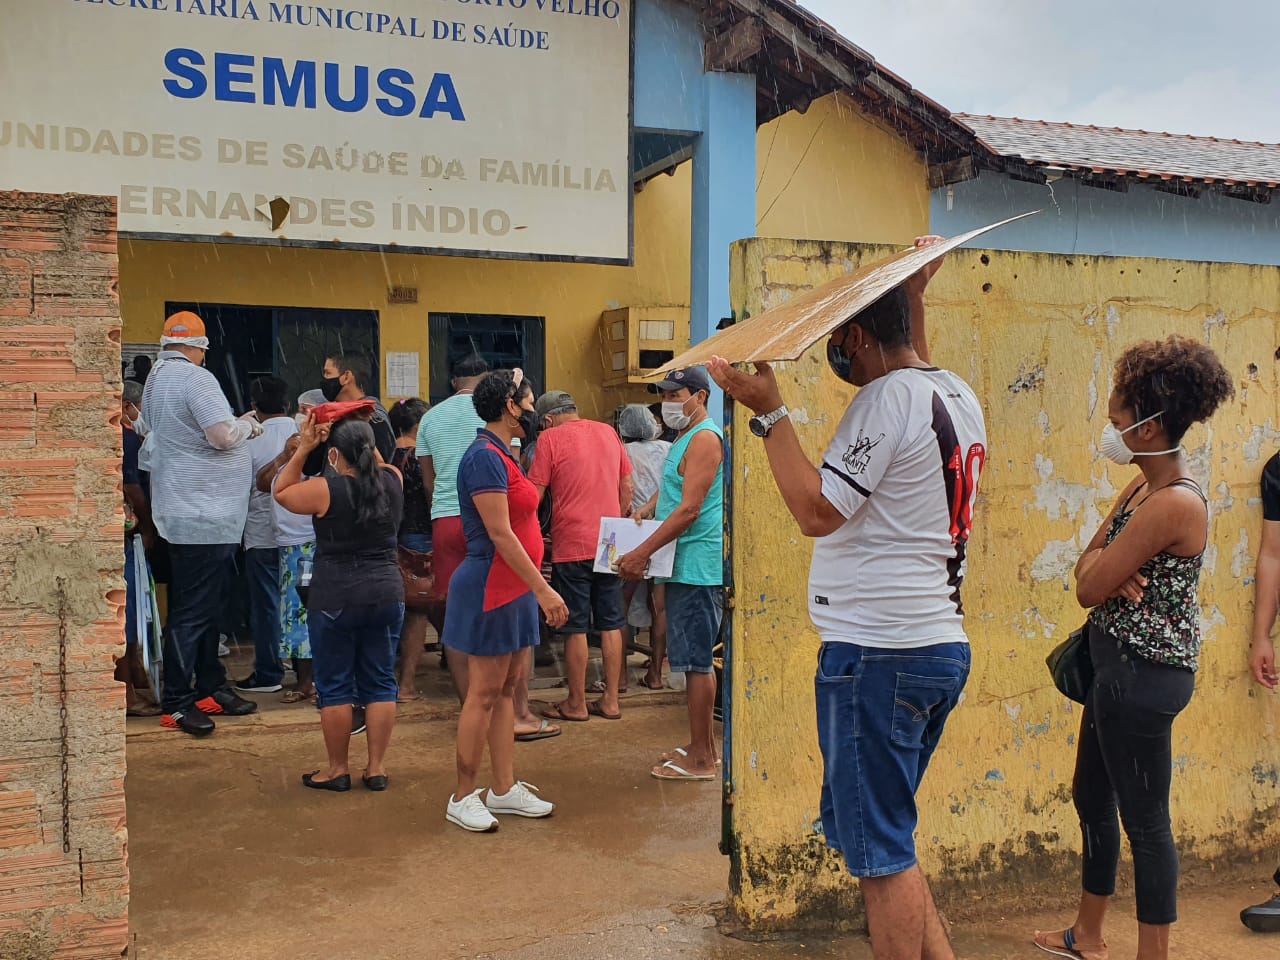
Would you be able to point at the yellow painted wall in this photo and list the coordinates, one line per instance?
(570, 296)
(1036, 335)
(833, 173)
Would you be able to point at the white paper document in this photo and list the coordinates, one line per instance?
(619, 536)
(402, 374)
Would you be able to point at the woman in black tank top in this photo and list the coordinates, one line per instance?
(355, 606)
(1139, 577)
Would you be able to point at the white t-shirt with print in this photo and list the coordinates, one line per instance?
(903, 468)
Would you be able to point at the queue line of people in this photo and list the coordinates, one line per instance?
(893, 500)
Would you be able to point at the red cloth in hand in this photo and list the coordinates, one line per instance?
(333, 412)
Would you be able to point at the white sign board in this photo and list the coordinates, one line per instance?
(476, 126)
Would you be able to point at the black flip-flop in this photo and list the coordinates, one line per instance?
(596, 710)
(544, 732)
(338, 784)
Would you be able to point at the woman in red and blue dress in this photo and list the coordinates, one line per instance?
(492, 613)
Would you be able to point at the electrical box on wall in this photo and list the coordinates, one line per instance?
(637, 340)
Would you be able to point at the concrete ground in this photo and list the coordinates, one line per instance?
(233, 859)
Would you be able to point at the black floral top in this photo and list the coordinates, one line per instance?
(1164, 626)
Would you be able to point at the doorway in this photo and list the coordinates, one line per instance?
(503, 341)
(246, 342)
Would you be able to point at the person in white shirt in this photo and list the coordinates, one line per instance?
(890, 510)
(270, 399)
(196, 451)
(640, 434)
(296, 537)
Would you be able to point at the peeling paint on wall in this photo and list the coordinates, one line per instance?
(1260, 435)
(1241, 559)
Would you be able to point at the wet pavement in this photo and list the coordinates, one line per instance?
(233, 859)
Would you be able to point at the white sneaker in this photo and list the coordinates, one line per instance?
(471, 814)
(520, 801)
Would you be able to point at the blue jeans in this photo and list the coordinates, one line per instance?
(880, 716)
(353, 653)
(131, 597)
(199, 582)
(262, 564)
(417, 542)
(694, 614)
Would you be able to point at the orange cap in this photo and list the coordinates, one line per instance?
(184, 325)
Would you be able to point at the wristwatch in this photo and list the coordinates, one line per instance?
(762, 425)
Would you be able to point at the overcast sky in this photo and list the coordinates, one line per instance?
(1208, 68)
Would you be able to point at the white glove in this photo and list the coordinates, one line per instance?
(255, 429)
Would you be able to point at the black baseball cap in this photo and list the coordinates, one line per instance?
(694, 378)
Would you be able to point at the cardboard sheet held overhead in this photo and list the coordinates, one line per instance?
(789, 329)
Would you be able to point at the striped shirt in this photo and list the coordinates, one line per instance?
(447, 431)
(199, 494)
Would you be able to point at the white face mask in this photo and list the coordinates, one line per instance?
(299, 418)
(1115, 449)
(673, 414)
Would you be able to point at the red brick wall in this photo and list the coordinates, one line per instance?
(60, 575)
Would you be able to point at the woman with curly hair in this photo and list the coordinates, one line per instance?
(492, 614)
(1139, 577)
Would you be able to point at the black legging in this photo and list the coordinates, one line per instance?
(1125, 759)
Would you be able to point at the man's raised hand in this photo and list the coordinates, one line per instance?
(759, 391)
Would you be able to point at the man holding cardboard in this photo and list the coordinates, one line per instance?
(890, 511)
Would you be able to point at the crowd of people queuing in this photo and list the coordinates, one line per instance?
(485, 479)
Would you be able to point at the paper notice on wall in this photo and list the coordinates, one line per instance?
(402, 375)
(619, 536)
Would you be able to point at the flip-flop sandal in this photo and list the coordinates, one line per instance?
(596, 710)
(552, 711)
(680, 753)
(670, 771)
(660, 685)
(545, 732)
(1070, 947)
(294, 696)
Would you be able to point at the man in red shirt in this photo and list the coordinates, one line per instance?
(587, 470)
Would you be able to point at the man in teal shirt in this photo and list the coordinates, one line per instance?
(690, 506)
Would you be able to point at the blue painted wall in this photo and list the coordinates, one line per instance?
(668, 78)
(1140, 223)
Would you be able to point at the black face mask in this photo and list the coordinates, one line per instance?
(331, 387)
(529, 424)
(840, 362)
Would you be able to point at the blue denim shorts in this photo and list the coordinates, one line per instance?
(880, 716)
(353, 653)
(693, 626)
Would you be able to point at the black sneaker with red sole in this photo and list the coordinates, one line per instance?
(225, 703)
(192, 721)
